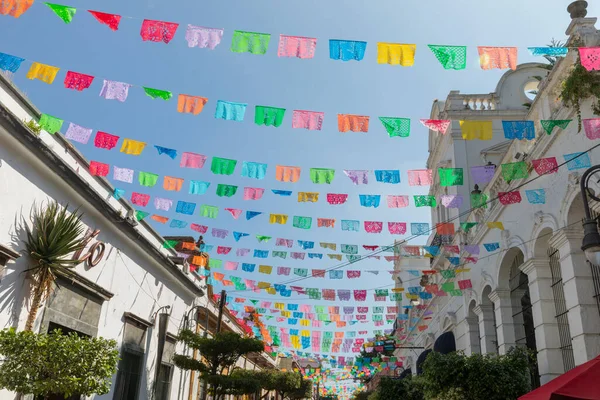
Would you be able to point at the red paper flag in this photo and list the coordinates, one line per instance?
(77, 81)
(111, 20)
(98, 168)
(507, 198)
(158, 31)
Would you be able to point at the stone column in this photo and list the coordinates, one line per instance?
(578, 282)
(505, 326)
(488, 340)
(471, 325)
(549, 357)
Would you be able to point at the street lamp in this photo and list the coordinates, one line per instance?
(591, 237)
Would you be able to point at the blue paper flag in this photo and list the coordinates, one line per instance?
(252, 214)
(183, 207)
(370, 200)
(548, 51)
(199, 187)
(536, 196)
(433, 250)
(254, 170)
(350, 225)
(519, 129)
(261, 253)
(453, 260)
(10, 63)
(315, 255)
(305, 245)
(248, 267)
(418, 229)
(230, 111)
(577, 161)
(118, 193)
(282, 192)
(491, 246)
(175, 223)
(387, 176)
(238, 235)
(347, 50)
(165, 150)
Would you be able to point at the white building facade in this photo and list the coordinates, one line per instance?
(537, 290)
(123, 292)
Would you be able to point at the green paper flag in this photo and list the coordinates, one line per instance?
(450, 176)
(479, 200)
(303, 272)
(262, 238)
(377, 310)
(396, 296)
(226, 190)
(455, 293)
(170, 244)
(466, 226)
(155, 93)
(140, 215)
(268, 116)
(280, 254)
(381, 292)
(448, 286)
(396, 126)
(302, 222)
(448, 274)
(50, 124)
(353, 258)
(322, 175)
(425, 201)
(377, 317)
(250, 42)
(222, 166)
(147, 178)
(209, 211)
(313, 293)
(65, 13)
(549, 125)
(214, 263)
(349, 248)
(513, 171)
(451, 57)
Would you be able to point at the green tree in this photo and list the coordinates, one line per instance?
(55, 235)
(288, 385)
(46, 364)
(217, 366)
(393, 388)
(455, 376)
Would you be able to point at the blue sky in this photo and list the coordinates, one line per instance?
(319, 84)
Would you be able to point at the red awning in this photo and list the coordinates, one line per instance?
(581, 383)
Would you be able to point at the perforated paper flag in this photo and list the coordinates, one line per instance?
(536, 196)
(437, 125)
(451, 57)
(397, 201)
(419, 228)
(420, 177)
(201, 37)
(450, 176)
(387, 176)
(590, 58)
(296, 46)
(519, 129)
(78, 133)
(113, 90)
(250, 42)
(222, 166)
(157, 93)
(230, 111)
(14, 8)
(549, 125)
(354, 123)
(110, 20)
(425, 201)
(322, 175)
(311, 120)
(158, 31)
(370, 200)
(479, 200)
(254, 170)
(302, 222)
(396, 126)
(65, 13)
(507, 198)
(346, 50)
(497, 57)
(50, 124)
(577, 161)
(514, 171)
(98, 168)
(198, 187)
(483, 174)
(147, 178)
(269, 116)
(452, 200)
(226, 190)
(308, 197)
(396, 54)
(287, 174)
(122, 174)
(10, 63)
(209, 211)
(132, 147)
(472, 130)
(77, 81)
(350, 225)
(43, 72)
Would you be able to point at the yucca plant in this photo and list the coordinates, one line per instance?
(54, 236)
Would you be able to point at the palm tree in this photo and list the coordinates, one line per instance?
(54, 236)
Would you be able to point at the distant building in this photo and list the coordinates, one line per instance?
(537, 290)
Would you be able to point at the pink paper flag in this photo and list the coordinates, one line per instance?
(397, 201)
(253, 193)
(199, 228)
(397, 228)
(336, 199)
(590, 58)
(231, 266)
(296, 46)
(373, 226)
(311, 120)
(497, 57)
(420, 177)
(437, 125)
(235, 212)
(592, 128)
(192, 160)
(223, 250)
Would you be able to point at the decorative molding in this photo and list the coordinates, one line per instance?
(85, 285)
(499, 294)
(129, 317)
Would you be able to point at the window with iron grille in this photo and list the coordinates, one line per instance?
(523, 314)
(562, 314)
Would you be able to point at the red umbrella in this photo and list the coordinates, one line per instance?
(581, 383)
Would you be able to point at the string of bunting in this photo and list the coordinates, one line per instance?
(398, 54)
